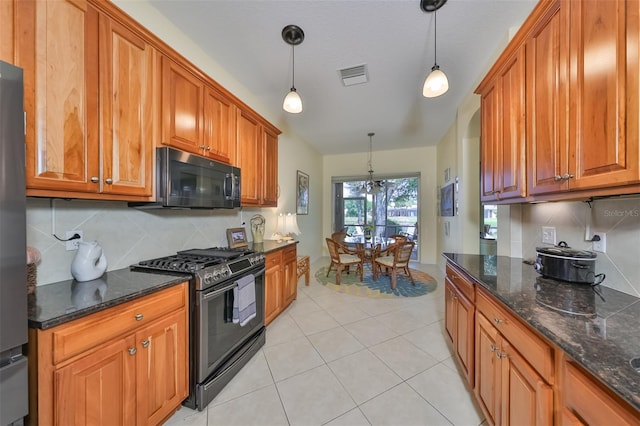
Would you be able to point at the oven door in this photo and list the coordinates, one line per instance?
(218, 337)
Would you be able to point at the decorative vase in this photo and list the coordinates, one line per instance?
(257, 228)
(89, 262)
(367, 235)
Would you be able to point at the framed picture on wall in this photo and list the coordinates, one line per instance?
(447, 201)
(302, 193)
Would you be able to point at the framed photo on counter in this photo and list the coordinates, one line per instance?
(302, 193)
(237, 237)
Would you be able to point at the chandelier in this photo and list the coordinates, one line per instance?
(371, 186)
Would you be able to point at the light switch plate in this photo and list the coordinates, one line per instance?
(549, 235)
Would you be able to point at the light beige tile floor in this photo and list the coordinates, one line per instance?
(337, 359)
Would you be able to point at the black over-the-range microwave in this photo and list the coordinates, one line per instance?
(185, 180)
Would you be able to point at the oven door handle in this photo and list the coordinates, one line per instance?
(220, 291)
(228, 287)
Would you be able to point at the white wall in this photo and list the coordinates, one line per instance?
(128, 235)
(422, 160)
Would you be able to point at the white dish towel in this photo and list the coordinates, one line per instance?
(244, 300)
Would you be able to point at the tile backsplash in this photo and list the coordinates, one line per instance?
(127, 235)
(619, 218)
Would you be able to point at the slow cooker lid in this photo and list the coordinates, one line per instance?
(566, 252)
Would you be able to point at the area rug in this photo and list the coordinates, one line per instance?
(351, 284)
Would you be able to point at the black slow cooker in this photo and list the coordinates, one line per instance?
(561, 262)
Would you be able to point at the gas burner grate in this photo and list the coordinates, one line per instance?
(180, 262)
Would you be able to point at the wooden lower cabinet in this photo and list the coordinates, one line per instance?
(132, 370)
(281, 281)
(459, 323)
(589, 403)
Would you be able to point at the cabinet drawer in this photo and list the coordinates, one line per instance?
(273, 259)
(289, 254)
(538, 353)
(85, 333)
(465, 285)
(586, 400)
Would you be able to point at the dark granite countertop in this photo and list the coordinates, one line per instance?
(270, 245)
(602, 337)
(57, 303)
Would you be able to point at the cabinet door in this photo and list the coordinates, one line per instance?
(487, 368)
(273, 290)
(98, 389)
(219, 135)
(249, 157)
(7, 34)
(163, 375)
(465, 312)
(526, 398)
(270, 181)
(604, 92)
(127, 102)
(510, 164)
(57, 48)
(182, 108)
(290, 282)
(547, 96)
(490, 141)
(450, 315)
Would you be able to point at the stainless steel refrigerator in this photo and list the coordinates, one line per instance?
(13, 247)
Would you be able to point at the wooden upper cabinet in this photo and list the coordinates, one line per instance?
(182, 103)
(128, 102)
(249, 157)
(220, 126)
(7, 31)
(582, 97)
(603, 132)
(270, 182)
(503, 132)
(57, 48)
(547, 97)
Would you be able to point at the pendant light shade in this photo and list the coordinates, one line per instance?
(293, 35)
(436, 83)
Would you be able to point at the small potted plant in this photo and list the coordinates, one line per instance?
(368, 231)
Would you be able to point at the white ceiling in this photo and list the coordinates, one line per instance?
(393, 37)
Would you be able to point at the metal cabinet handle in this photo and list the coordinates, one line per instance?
(201, 147)
(132, 351)
(145, 343)
(95, 179)
(493, 348)
(497, 320)
(565, 176)
(208, 148)
(500, 355)
(139, 317)
(108, 181)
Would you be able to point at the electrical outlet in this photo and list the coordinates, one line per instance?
(601, 245)
(73, 244)
(549, 235)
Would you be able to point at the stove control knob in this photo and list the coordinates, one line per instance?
(224, 273)
(208, 278)
(216, 275)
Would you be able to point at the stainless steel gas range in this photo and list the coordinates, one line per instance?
(219, 346)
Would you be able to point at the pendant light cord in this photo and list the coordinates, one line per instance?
(293, 73)
(435, 37)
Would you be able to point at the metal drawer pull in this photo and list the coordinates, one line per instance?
(95, 179)
(145, 343)
(139, 317)
(497, 320)
(493, 348)
(108, 181)
(500, 356)
(132, 351)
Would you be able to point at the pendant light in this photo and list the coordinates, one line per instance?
(371, 186)
(293, 35)
(436, 83)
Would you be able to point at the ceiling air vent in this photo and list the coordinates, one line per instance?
(354, 75)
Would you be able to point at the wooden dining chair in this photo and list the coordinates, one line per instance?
(398, 260)
(342, 257)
